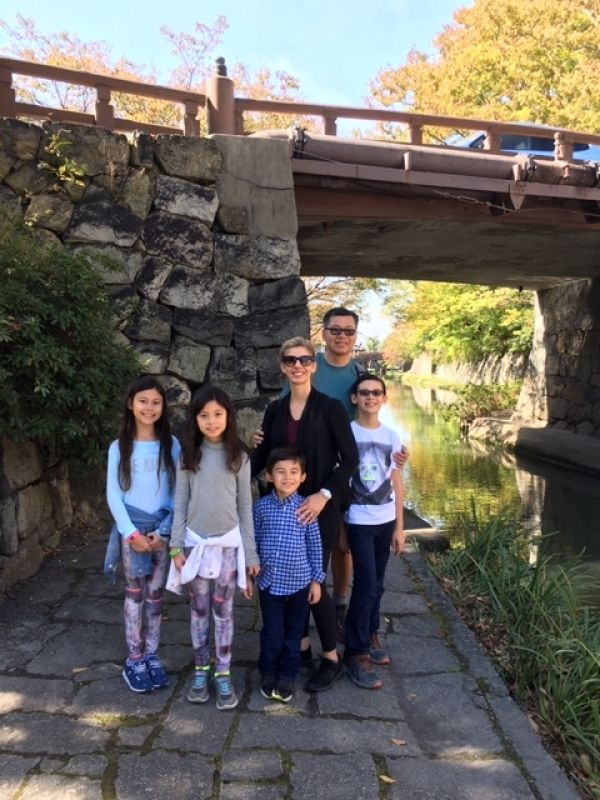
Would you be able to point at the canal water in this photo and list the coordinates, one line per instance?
(447, 476)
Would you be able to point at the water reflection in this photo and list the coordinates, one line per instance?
(447, 476)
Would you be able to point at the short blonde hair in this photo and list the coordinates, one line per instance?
(296, 341)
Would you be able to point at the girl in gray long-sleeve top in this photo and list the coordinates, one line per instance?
(212, 538)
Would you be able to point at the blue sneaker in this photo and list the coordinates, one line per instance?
(136, 676)
(158, 676)
(226, 696)
(198, 691)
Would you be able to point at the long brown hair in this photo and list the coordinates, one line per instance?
(162, 429)
(191, 451)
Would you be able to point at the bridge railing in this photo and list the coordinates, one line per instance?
(224, 112)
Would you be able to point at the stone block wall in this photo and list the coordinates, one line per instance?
(35, 507)
(562, 384)
(203, 235)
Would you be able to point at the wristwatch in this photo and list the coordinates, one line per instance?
(326, 493)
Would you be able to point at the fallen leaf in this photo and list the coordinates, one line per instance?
(399, 742)
(386, 779)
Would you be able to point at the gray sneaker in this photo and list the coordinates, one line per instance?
(378, 652)
(361, 672)
(198, 691)
(226, 696)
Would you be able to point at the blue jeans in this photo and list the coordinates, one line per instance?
(370, 548)
(283, 623)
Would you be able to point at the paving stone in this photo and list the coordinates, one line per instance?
(416, 625)
(250, 791)
(87, 608)
(98, 585)
(443, 714)
(20, 646)
(53, 764)
(98, 672)
(326, 735)
(161, 776)
(246, 646)
(50, 734)
(335, 777)
(79, 646)
(345, 698)
(34, 694)
(423, 779)
(174, 631)
(13, 770)
(134, 735)
(93, 766)
(413, 656)
(397, 579)
(44, 589)
(250, 766)
(57, 787)
(115, 699)
(402, 603)
(195, 727)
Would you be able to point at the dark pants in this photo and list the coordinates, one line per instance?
(283, 623)
(324, 612)
(370, 548)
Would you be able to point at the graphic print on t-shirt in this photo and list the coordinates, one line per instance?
(372, 485)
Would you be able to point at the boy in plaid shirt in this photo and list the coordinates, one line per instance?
(291, 572)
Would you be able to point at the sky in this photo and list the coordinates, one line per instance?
(335, 48)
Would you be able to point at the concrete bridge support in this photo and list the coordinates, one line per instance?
(562, 385)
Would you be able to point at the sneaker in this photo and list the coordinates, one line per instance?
(325, 676)
(306, 657)
(361, 672)
(158, 676)
(284, 691)
(198, 691)
(378, 652)
(226, 696)
(340, 623)
(267, 686)
(136, 676)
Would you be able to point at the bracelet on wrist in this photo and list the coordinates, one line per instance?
(175, 551)
(133, 536)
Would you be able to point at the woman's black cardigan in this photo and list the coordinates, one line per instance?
(326, 440)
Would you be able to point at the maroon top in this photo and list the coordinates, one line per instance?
(291, 430)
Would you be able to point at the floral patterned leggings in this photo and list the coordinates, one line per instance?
(143, 603)
(217, 595)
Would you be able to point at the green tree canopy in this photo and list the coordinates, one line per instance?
(514, 60)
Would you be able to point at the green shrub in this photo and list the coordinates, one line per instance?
(481, 400)
(62, 372)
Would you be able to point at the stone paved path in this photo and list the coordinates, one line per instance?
(442, 727)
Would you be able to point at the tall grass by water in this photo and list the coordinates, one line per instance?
(535, 617)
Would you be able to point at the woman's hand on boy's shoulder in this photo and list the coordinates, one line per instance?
(400, 457)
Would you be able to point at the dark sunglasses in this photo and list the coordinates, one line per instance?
(290, 361)
(367, 392)
(335, 331)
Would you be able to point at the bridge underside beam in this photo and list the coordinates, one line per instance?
(466, 235)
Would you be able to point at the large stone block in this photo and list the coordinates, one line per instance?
(152, 276)
(9, 535)
(190, 289)
(19, 140)
(188, 157)
(117, 265)
(179, 239)
(96, 151)
(150, 321)
(60, 490)
(142, 149)
(256, 257)
(51, 211)
(34, 507)
(257, 175)
(177, 196)
(21, 463)
(234, 370)
(178, 393)
(153, 357)
(27, 178)
(97, 219)
(270, 376)
(137, 193)
(271, 330)
(204, 327)
(22, 564)
(7, 162)
(272, 295)
(9, 201)
(189, 359)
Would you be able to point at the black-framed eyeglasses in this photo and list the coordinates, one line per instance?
(290, 361)
(335, 331)
(367, 392)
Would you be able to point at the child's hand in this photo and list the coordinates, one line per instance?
(253, 571)
(258, 437)
(398, 541)
(314, 593)
(179, 561)
(156, 542)
(400, 457)
(140, 544)
(249, 590)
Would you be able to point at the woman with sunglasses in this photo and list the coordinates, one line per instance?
(318, 427)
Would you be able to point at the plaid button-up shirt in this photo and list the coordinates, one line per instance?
(291, 555)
